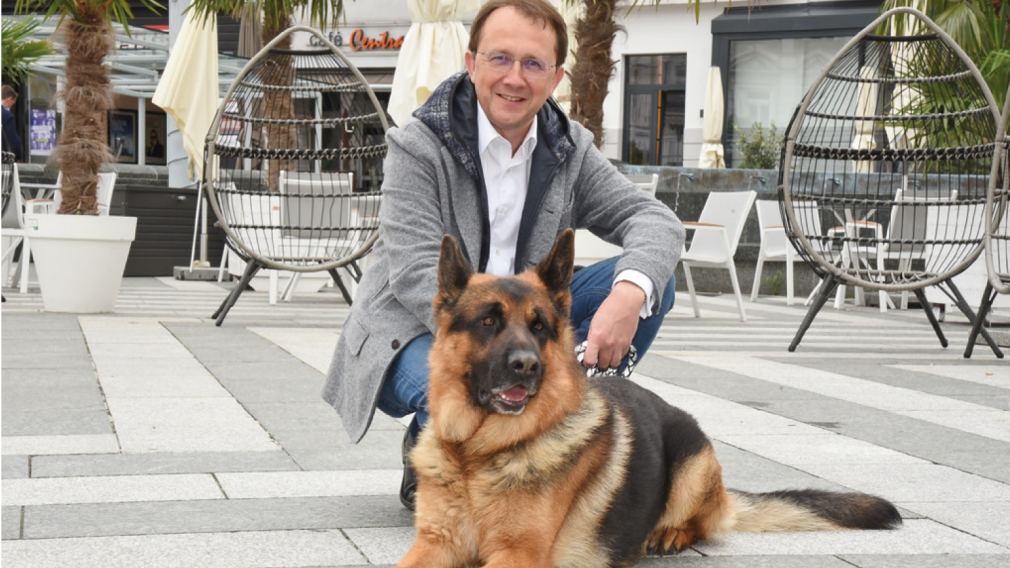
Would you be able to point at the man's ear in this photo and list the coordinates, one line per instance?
(555, 271)
(453, 271)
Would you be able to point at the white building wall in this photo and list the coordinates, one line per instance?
(669, 27)
(664, 29)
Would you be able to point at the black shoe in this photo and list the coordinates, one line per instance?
(408, 487)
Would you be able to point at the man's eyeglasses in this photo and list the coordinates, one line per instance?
(531, 66)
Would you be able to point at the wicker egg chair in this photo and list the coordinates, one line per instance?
(997, 235)
(886, 164)
(293, 163)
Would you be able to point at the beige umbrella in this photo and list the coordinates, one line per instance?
(866, 105)
(432, 51)
(905, 95)
(188, 89)
(711, 144)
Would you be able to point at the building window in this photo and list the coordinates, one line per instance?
(771, 54)
(654, 109)
(769, 77)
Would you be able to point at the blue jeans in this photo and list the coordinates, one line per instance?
(405, 389)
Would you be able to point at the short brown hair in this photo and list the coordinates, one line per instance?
(8, 92)
(537, 10)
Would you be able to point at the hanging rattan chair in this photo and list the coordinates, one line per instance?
(293, 163)
(886, 165)
(997, 235)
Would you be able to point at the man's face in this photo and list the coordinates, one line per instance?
(511, 98)
(9, 102)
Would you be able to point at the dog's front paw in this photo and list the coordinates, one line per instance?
(667, 540)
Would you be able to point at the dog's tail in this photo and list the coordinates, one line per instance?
(810, 510)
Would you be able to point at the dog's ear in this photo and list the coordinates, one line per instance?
(453, 271)
(555, 271)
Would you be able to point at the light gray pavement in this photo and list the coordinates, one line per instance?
(151, 438)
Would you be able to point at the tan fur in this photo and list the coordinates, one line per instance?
(766, 515)
(697, 507)
(576, 545)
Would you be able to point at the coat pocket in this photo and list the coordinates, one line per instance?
(355, 334)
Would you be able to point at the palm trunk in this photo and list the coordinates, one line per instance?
(594, 33)
(279, 103)
(82, 147)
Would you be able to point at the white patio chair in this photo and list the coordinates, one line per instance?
(13, 224)
(912, 215)
(589, 248)
(775, 247)
(716, 237)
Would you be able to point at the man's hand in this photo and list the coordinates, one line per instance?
(614, 326)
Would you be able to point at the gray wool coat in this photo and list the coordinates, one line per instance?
(433, 185)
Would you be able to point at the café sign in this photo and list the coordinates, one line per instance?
(361, 40)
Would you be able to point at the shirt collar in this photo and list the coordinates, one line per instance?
(486, 134)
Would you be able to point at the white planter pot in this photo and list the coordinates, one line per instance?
(80, 259)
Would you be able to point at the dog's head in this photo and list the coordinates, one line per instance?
(504, 331)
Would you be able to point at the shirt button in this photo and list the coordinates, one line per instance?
(396, 344)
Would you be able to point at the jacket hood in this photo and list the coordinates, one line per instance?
(451, 113)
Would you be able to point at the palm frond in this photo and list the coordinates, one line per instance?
(19, 51)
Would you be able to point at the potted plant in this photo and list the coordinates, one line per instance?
(80, 256)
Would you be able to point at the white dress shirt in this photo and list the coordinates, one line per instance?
(507, 176)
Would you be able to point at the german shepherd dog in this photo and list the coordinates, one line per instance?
(526, 463)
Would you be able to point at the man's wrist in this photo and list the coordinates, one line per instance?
(631, 291)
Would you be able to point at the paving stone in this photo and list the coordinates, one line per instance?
(696, 561)
(927, 561)
(379, 449)
(40, 322)
(114, 489)
(220, 550)
(218, 515)
(263, 485)
(278, 387)
(155, 463)
(144, 385)
(186, 424)
(989, 520)
(750, 472)
(301, 415)
(382, 545)
(11, 522)
(913, 482)
(69, 349)
(916, 536)
(15, 467)
(57, 422)
(48, 377)
(61, 396)
(799, 449)
(77, 360)
(50, 445)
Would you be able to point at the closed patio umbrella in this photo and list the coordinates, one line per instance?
(711, 146)
(866, 106)
(188, 89)
(432, 51)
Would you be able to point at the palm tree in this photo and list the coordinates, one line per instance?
(980, 27)
(86, 26)
(594, 66)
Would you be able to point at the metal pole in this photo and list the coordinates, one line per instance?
(175, 154)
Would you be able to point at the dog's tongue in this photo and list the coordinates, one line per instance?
(514, 394)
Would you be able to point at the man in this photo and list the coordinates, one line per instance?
(496, 164)
(11, 140)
